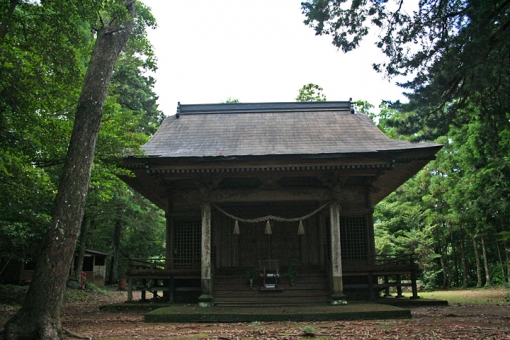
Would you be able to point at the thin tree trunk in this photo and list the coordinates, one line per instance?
(501, 262)
(443, 268)
(478, 265)
(455, 260)
(444, 263)
(449, 276)
(39, 316)
(463, 259)
(83, 245)
(114, 267)
(507, 255)
(488, 280)
(6, 264)
(4, 26)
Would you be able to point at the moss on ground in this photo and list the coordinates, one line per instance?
(362, 311)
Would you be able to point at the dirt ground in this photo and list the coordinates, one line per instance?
(457, 321)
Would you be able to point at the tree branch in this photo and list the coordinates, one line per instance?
(5, 24)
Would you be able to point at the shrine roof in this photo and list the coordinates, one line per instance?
(262, 129)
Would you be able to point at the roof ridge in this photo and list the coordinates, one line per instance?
(225, 108)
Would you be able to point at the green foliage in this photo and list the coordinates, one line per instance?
(78, 295)
(311, 93)
(309, 330)
(455, 55)
(456, 52)
(231, 101)
(462, 194)
(46, 48)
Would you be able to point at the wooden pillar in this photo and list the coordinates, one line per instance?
(414, 287)
(370, 227)
(399, 286)
(386, 286)
(205, 300)
(338, 297)
(171, 289)
(130, 289)
(371, 285)
(144, 284)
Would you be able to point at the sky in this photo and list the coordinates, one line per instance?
(254, 51)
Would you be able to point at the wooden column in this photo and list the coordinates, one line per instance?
(338, 297)
(205, 300)
(130, 289)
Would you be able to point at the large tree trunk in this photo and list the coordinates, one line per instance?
(488, 280)
(39, 316)
(478, 265)
(83, 244)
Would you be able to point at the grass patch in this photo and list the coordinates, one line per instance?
(478, 296)
(90, 291)
(14, 294)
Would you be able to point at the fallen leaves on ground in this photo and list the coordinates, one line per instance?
(452, 322)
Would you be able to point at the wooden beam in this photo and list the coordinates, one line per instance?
(268, 195)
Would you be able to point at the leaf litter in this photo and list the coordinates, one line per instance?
(457, 321)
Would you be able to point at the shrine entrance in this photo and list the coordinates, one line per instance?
(283, 244)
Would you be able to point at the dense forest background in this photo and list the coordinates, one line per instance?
(453, 214)
(45, 50)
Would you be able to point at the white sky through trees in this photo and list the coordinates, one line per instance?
(254, 51)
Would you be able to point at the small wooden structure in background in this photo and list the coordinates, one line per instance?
(20, 272)
(293, 182)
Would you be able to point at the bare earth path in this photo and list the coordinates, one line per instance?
(457, 321)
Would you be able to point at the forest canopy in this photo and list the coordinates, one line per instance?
(454, 57)
(455, 53)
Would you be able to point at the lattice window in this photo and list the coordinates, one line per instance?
(353, 230)
(187, 243)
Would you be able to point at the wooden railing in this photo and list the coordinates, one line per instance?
(395, 271)
(158, 275)
(400, 261)
(138, 265)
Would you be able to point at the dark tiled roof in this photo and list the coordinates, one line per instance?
(259, 129)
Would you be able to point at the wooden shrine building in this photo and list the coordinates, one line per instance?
(275, 189)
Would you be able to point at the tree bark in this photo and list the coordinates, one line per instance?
(488, 280)
(501, 263)
(455, 260)
(83, 244)
(442, 259)
(478, 265)
(463, 259)
(507, 255)
(39, 316)
(114, 266)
